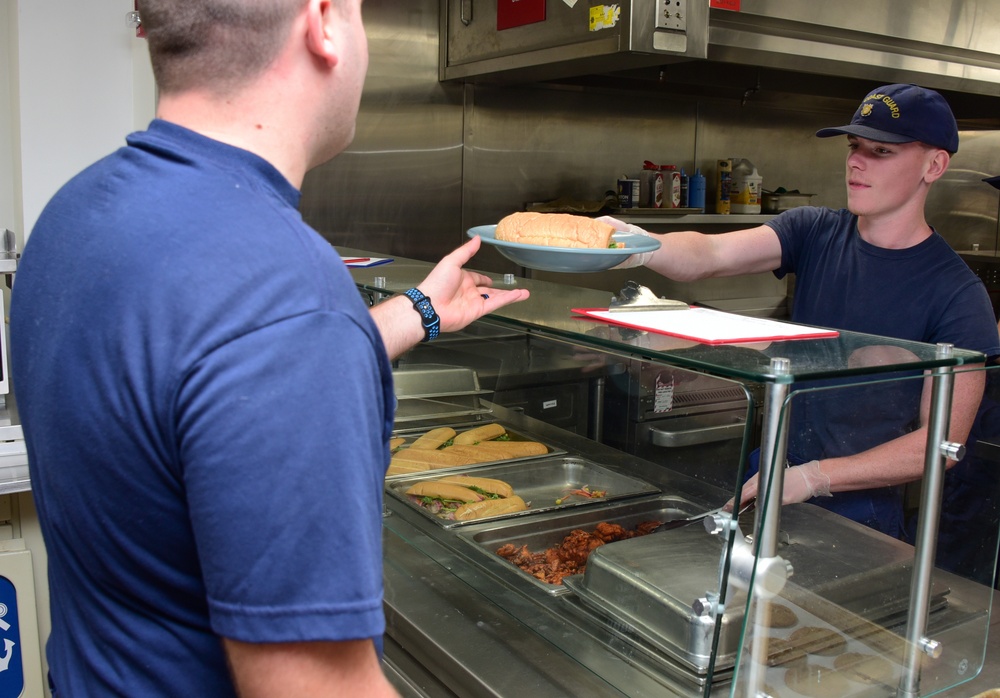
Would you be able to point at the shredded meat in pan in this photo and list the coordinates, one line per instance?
(570, 556)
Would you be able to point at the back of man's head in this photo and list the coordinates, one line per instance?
(214, 45)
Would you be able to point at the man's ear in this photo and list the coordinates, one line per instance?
(938, 165)
(320, 20)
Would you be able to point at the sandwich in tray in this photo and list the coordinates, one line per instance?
(465, 497)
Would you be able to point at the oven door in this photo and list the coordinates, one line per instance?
(685, 420)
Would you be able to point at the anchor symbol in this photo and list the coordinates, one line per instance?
(8, 645)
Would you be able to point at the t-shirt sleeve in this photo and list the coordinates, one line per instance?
(284, 446)
(968, 322)
(794, 227)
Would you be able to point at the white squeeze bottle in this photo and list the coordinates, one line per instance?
(744, 188)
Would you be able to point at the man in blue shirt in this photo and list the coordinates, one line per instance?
(876, 267)
(206, 400)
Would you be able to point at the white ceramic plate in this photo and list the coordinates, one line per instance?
(566, 259)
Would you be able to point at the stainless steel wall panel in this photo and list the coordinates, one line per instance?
(398, 187)
(526, 144)
(953, 23)
(960, 206)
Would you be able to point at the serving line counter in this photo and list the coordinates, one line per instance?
(780, 601)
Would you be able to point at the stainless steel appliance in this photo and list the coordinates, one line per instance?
(691, 422)
(946, 44)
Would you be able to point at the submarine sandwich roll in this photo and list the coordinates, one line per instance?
(555, 230)
(490, 507)
(463, 498)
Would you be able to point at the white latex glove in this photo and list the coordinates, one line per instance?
(636, 260)
(802, 483)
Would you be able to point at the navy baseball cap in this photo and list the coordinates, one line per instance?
(902, 114)
(995, 181)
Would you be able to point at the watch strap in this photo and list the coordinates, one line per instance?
(428, 316)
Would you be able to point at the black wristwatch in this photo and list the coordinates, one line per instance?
(428, 316)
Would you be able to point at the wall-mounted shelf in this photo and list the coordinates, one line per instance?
(693, 219)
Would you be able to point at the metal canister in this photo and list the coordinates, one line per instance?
(628, 193)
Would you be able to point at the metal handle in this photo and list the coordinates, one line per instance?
(676, 438)
(466, 12)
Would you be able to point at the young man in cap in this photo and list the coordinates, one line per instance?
(878, 268)
(206, 400)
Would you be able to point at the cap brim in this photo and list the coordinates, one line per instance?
(995, 181)
(872, 134)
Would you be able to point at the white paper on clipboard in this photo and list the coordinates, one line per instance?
(708, 325)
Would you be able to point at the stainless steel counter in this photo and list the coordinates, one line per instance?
(458, 628)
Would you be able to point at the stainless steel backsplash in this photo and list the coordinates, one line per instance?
(431, 159)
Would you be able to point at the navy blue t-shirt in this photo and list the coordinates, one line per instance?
(925, 293)
(206, 404)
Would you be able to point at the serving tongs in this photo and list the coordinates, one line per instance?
(677, 523)
(634, 297)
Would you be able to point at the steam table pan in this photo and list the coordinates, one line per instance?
(650, 585)
(547, 531)
(411, 435)
(540, 482)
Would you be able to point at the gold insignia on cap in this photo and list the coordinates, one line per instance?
(866, 110)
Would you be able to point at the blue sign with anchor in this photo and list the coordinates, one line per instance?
(11, 666)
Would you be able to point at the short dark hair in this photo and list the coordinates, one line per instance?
(218, 45)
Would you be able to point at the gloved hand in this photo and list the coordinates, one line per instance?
(802, 483)
(636, 260)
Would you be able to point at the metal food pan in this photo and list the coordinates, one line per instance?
(540, 483)
(651, 587)
(540, 533)
(431, 391)
(512, 435)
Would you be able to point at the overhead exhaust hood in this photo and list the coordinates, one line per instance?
(945, 44)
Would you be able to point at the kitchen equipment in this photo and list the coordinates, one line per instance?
(635, 296)
(548, 530)
(778, 201)
(546, 485)
(513, 436)
(567, 259)
(687, 421)
(430, 391)
(652, 585)
(942, 45)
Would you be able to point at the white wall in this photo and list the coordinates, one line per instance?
(80, 82)
(74, 81)
(9, 214)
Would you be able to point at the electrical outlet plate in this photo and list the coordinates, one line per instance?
(671, 14)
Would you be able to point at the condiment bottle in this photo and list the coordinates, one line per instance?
(696, 190)
(671, 187)
(650, 185)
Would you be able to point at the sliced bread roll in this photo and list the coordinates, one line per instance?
(554, 230)
(490, 507)
(488, 485)
(483, 433)
(443, 491)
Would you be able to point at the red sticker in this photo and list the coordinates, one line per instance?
(733, 5)
(516, 13)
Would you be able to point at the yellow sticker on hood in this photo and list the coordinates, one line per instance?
(604, 17)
